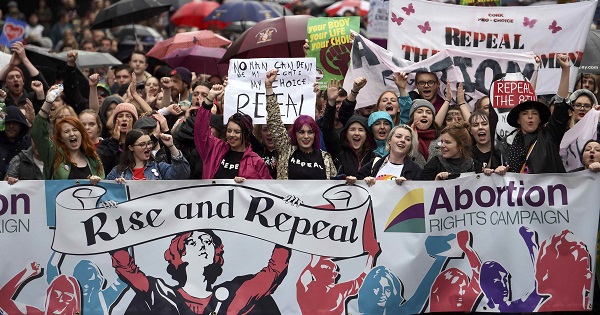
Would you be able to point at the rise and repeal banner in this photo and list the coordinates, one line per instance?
(518, 243)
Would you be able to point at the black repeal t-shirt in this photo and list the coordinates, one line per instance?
(306, 166)
(270, 158)
(230, 165)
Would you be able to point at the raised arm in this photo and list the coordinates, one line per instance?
(565, 71)
(166, 85)
(93, 83)
(440, 116)
(462, 103)
(404, 100)
(349, 104)
(71, 83)
(137, 97)
(7, 304)
(330, 136)
(203, 139)
(264, 283)
(274, 121)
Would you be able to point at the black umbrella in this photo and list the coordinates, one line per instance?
(590, 63)
(128, 12)
(48, 64)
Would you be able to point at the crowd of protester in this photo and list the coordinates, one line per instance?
(143, 120)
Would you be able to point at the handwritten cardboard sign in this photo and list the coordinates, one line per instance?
(245, 91)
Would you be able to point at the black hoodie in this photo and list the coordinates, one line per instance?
(346, 159)
(10, 148)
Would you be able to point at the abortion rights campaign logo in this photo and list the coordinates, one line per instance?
(408, 214)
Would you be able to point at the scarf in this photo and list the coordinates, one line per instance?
(425, 137)
(380, 149)
(517, 151)
(457, 166)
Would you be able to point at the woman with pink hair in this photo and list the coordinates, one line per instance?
(300, 155)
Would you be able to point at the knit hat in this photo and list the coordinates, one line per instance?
(184, 74)
(126, 107)
(216, 121)
(375, 116)
(145, 122)
(421, 103)
(586, 92)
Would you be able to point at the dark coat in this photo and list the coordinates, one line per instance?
(10, 148)
(411, 170)
(435, 166)
(345, 158)
(544, 157)
(22, 167)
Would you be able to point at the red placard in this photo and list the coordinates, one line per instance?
(508, 94)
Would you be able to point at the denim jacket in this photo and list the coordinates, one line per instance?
(179, 169)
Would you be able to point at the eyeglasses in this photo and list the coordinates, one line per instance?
(582, 106)
(102, 94)
(145, 144)
(426, 83)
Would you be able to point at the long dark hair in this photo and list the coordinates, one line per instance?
(245, 123)
(127, 158)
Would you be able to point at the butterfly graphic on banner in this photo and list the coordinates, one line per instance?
(396, 19)
(528, 22)
(408, 10)
(554, 27)
(425, 27)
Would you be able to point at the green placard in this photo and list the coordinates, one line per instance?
(481, 3)
(329, 41)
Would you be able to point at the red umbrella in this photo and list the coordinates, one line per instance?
(187, 40)
(340, 7)
(280, 37)
(198, 59)
(193, 14)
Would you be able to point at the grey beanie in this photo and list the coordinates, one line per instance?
(576, 94)
(421, 103)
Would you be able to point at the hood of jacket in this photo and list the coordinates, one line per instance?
(14, 114)
(373, 118)
(369, 141)
(107, 101)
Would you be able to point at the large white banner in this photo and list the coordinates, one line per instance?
(451, 66)
(419, 29)
(245, 91)
(518, 243)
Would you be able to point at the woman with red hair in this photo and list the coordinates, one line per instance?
(70, 154)
(195, 261)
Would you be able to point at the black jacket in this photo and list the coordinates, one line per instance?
(10, 148)
(436, 166)
(345, 158)
(410, 171)
(544, 157)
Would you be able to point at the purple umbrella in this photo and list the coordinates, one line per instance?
(199, 59)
